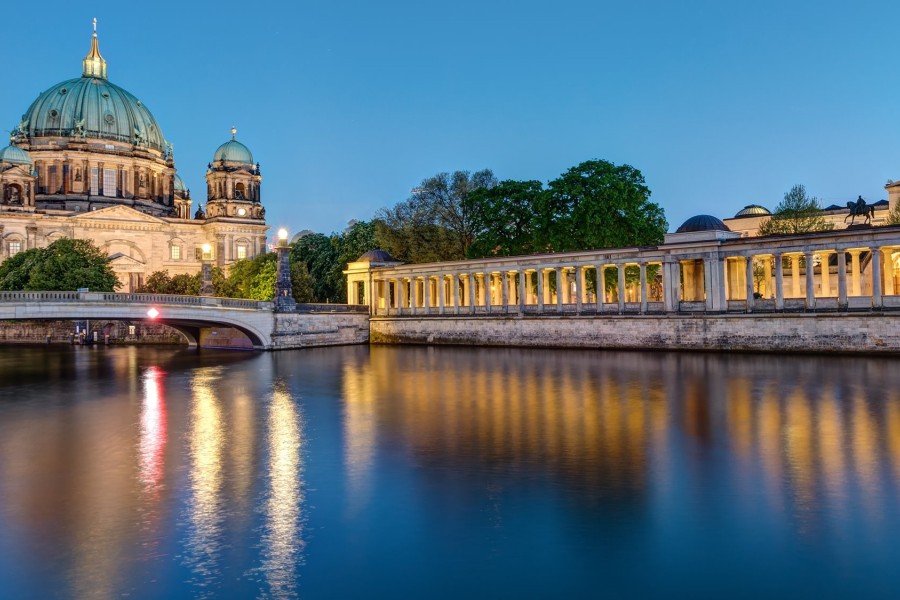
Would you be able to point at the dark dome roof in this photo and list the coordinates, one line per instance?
(753, 210)
(376, 256)
(702, 223)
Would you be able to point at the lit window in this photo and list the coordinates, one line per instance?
(175, 252)
(132, 330)
(241, 251)
(15, 247)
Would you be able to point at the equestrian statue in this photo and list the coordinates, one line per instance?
(860, 209)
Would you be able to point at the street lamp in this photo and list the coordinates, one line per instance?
(284, 293)
(206, 286)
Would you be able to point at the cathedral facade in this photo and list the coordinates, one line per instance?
(88, 160)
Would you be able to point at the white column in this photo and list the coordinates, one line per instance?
(470, 288)
(426, 293)
(522, 289)
(779, 282)
(842, 278)
(486, 278)
(855, 275)
(601, 288)
(559, 289)
(621, 290)
(440, 284)
(876, 277)
(579, 286)
(748, 260)
(825, 274)
(540, 289)
(810, 281)
(643, 267)
(456, 298)
(504, 291)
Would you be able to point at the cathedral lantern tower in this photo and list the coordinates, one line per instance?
(233, 182)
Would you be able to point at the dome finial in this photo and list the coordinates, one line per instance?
(233, 131)
(93, 64)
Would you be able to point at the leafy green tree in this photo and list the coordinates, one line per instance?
(598, 205)
(66, 264)
(435, 222)
(893, 217)
(301, 283)
(252, 278)
(797, 213)
(321, 257)
(159, 282)
(503, 218)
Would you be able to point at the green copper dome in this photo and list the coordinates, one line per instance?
(91, 107)
(179, 184)
(233, 151)
(15, 156)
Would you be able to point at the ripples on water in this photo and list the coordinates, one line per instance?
(429, 472)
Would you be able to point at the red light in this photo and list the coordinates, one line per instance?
(153, 313)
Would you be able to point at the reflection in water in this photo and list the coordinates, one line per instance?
(282, 540)
(359, 432)
(206, 506)
(153, 432)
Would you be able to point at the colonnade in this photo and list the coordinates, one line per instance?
(718, 272)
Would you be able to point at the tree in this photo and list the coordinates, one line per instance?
(893, 217)
(503, 218)
(598, 205)
(797, 213)
(66, 264)
(320, 256)
(435, 222)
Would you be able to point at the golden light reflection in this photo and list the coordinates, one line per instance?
(358, 388)
(205, 511)
(282, 540)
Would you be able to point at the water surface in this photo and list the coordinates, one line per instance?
(446, 473)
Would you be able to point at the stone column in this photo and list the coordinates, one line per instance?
(401, 295)
(521, 291)
(748, 265)
(888, 269)
(540, 289)
(601, 288)
(30, 237)
(426, 293)
(824, 274)
(779, 281)
(668, 300)
(579, 287)
(842, 279)
(876, 277)
(504, 290)
(795, 275)
(767, 277)
(441, 288)
(643, 268)
(486, 279)
(855, 275)
(470, 288)
(456, 296)
(544, 286)
(559, 289)
(621, 291)
(810, 281)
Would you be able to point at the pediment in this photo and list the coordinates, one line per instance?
(118, 213)
(119, 259)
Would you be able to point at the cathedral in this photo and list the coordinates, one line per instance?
(88, 160)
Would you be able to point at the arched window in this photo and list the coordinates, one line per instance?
(240, 192)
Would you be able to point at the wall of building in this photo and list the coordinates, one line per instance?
(299, 330)
(61, 332)
(870, 332)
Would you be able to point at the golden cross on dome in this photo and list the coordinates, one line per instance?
(233, 131)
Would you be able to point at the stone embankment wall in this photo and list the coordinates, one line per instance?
(839, 332)
(60, 332)
(299, 330)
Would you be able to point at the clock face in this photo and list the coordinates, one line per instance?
(242, 212)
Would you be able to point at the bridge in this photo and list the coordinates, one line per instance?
(266, 329)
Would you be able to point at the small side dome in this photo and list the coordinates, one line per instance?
(753, 210)
(179, 185)
(233, 151)
(15, 156)
(702, 223)
(376, 256)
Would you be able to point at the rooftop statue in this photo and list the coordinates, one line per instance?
(859, 209)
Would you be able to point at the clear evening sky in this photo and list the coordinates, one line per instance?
(349, 105)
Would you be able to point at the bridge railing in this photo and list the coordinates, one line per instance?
(116, 298)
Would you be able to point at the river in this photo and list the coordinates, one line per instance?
(415, 472)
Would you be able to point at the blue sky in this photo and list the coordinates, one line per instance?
(349, 105)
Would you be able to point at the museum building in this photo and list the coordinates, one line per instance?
(88, 160)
